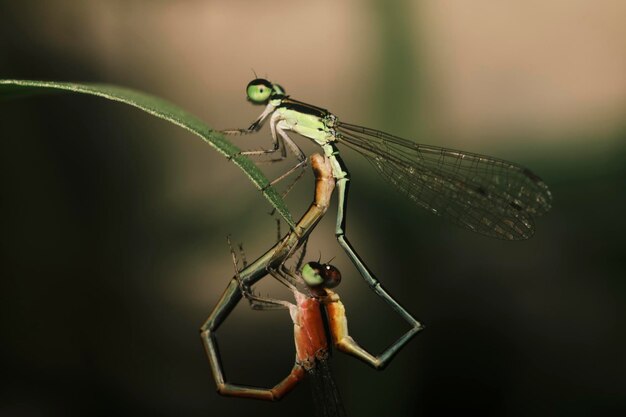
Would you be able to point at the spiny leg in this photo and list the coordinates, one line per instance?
(244, 261)
(285, 277)
(293, 183)
(242, 254)
(277, 146)
(277, 143)
(280, 139)
(282, 268)
(278, 130)
(280, 142)
(256, 302)
(302, 255)
(279, 136)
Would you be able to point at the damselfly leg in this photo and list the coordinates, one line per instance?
(257, 270)
(280, 140)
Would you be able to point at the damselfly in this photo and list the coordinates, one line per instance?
(319, 322)
(487, 195)
(314, 292)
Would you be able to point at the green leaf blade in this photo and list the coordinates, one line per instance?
(164, 110)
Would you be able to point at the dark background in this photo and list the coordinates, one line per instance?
(114, 223)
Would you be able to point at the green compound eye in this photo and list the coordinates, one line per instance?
(311, 274)
(259, 91)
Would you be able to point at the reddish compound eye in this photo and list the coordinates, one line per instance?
(332, 276)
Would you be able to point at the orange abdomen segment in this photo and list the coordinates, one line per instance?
(309, 333)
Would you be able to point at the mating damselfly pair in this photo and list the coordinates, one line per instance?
(487, 195)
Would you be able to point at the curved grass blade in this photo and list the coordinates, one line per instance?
(164, 110)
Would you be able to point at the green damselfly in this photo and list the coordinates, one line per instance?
(487, 195)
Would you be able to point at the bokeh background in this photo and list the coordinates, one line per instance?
(114, 223)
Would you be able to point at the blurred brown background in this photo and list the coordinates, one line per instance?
(114, 223)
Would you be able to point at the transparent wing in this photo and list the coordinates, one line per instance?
(490, 196)
(326, 396)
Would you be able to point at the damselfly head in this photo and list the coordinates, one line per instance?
(316, 274)
(260, 90)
